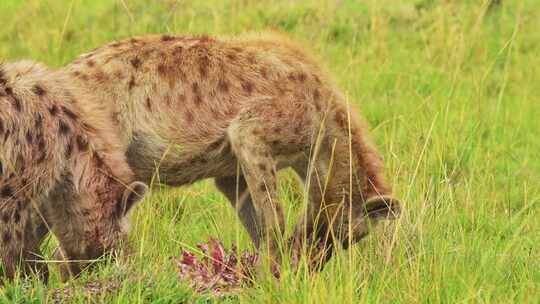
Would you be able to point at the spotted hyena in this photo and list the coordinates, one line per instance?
(238, 110)
(58, 172)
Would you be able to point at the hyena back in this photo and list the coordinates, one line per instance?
(189, 108)
(55, 173)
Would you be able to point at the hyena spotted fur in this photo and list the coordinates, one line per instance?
(60, 170)
(193, 107)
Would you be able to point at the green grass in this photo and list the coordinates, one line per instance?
(451, 91)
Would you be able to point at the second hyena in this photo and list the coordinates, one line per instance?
(59, 171)
(188, 108)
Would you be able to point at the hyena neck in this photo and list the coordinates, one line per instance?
(102, 173)
(98, 144)
(368, 163)
(100, 185)
(96, 179)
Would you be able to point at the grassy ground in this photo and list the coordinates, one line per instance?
(451, 90)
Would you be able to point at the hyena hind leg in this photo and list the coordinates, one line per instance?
(259, 170)
(236, 191)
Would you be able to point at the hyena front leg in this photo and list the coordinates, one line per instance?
(259, 170)
(62, 220)
(236, 191)
(20, 243)
(310, 234)
(36, 231)
(11, 247)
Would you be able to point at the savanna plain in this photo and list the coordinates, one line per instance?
(451, 92)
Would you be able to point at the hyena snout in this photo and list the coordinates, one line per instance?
(374, 210)
(108, 243)
(71, 266)
(348, 228)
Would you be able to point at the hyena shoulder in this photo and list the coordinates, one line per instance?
(45, 123)
(37, 132)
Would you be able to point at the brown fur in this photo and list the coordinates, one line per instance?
(190, 108)
(57, 170)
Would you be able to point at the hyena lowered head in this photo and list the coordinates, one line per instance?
(59, 172)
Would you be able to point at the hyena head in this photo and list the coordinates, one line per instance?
(99, 226)
(351, 224)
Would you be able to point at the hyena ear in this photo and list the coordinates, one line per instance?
(132, 195)
(383, 207)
